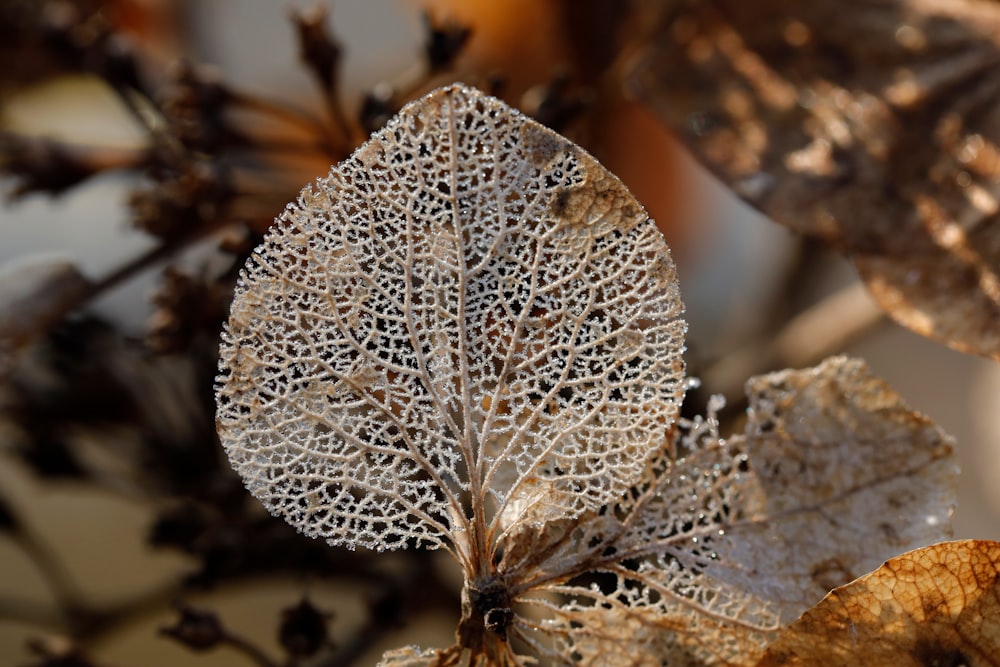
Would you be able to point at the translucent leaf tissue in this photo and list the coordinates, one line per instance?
(468, 336)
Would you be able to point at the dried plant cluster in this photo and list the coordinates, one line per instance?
(469, 337)
(83, 405)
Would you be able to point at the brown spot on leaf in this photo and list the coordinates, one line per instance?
(560, 202)
(541, 144)
(933, 655)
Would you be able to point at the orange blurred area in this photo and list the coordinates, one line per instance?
(646, 156)
(156, 24)
(527, 43)
(520, 39)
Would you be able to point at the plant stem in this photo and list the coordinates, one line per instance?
(823, 329)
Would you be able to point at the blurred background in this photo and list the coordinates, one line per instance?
(114, 298)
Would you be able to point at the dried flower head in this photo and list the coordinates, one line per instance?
(468, 337)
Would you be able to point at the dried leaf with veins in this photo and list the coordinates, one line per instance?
(727, 540)
(939, 605)
(872, 125)
(845, 474)
(468, 327)
(468, 337)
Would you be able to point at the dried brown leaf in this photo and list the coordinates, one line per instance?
(939, 605)
(873, 126)
(845, 475)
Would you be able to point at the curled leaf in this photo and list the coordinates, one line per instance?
(870, 125)
(939, 605)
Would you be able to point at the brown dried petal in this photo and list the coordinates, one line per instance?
(939, 605)
(303, 630)
(870, 125)
(186, 306)
(318, 49)
(444, 41)
(843, 475)
(43, 165)
(198, 629)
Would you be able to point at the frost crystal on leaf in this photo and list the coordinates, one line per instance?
(468, 323)
(468, 337)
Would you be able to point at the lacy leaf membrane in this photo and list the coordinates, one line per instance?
(468, 323)
(728, 540)
(468, 336)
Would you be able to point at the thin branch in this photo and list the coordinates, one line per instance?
(823, 329)
(58, 578)
(333, 146)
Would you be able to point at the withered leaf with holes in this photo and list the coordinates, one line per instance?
(939, 605)
(872, 125)
(468, 337)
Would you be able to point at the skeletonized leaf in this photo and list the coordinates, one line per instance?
(875, 126)
(939, 605)
(727, 541)
(409, 656)
(467, 336)
(468, 322)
